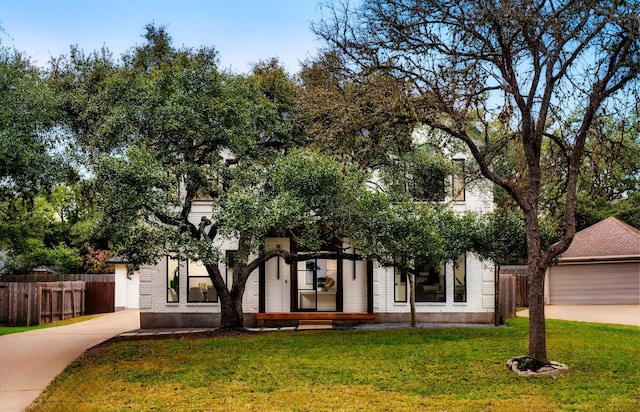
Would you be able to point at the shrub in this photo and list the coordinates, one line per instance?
(61, 258)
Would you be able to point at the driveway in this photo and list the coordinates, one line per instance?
(30, 360)
(617, 314)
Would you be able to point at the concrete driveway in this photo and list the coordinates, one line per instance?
(616, 314)
(30, 360)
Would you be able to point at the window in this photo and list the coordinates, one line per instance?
(430, 283)
(458, 180)
(460, 279)
(173, 280)
(199, 285)
(419, 176)
(400, 286)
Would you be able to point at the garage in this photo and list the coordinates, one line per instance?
(601, 267)
(595, 283)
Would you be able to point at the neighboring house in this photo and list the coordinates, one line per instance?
(602, 266)
(127, 288)
(180, 294)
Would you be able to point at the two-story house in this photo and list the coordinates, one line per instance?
(180, 294)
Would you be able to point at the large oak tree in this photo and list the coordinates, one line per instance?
(544, 70)
(167, 129)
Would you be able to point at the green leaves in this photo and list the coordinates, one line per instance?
(61, 258)
(168, 132)
(501, 237)
(307, 175)
(134, 188)
(134, 182)
(49, 231)
(302, 194)
(418, 175)
(27, 117)
(399, 234)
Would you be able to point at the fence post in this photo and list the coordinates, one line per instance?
(62, 303)
(51, 305)
(38, 306)
(29, 299)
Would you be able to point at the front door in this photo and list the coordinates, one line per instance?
(316, 285)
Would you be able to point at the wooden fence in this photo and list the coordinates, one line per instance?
(18, 304)
(60, 300)
(35, 303)
(28, 300)
(512, 292)
(506, 299)
(520, 273)
(100, 297)
(47, 277)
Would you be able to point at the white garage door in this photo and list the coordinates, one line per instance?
(593, 284)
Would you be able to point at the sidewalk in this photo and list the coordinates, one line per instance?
(616, 314)
(31, 360)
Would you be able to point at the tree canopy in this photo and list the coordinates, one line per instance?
(528, 66)
(54, 229)
(38, 176)
(27, 123)
(167, 130)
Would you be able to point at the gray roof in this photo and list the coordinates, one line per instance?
(117, 259)
(608, 238)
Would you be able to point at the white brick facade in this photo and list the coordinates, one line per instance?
(480, 290)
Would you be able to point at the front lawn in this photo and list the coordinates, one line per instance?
(6, 330)
(454, 369)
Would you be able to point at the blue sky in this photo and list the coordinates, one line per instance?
(243, 31)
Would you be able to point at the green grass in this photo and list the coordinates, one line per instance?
(392, 370)
(6, 330)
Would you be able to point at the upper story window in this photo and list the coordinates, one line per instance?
(215, 178)
(417, 175)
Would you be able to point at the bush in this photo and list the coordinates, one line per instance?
(61, 258)
(95, 260)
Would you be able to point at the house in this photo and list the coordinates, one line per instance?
(180, 293)
(602, 266)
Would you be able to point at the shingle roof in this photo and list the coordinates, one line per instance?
(609, 237)
(117, 259)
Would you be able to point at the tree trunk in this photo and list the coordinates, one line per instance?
(537, 326)
(537, 269)
(412, 298)
(231, 315)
